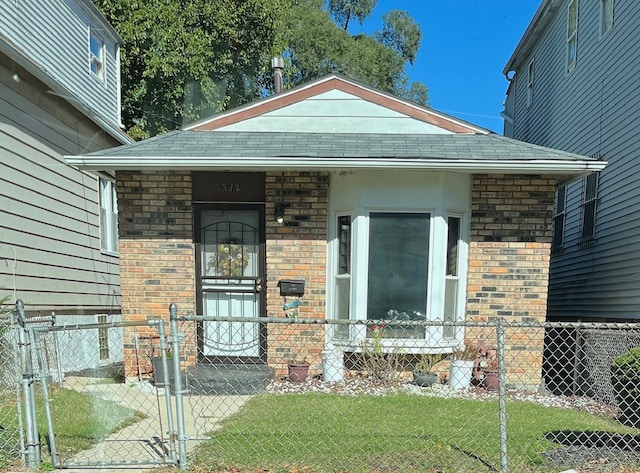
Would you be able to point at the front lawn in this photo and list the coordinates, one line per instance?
(80, 421)
(393, 433)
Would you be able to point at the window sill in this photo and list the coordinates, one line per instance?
(400, 345)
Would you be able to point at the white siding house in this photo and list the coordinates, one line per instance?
(59, 94)
(583, 97)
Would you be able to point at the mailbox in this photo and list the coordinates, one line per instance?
(291, 288)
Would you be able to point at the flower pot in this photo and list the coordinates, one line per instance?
(460, 374)
(424, 379)
(298, 372)
(491, 381)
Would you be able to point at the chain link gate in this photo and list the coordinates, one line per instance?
(85, 410)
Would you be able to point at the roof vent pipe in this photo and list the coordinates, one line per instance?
(277, 64)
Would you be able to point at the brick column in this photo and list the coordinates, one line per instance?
(156, 253)
(509, 263)
(296, 249)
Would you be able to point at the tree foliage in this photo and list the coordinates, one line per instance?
(343, 10)
(186, 59)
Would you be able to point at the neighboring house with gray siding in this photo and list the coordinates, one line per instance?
(59, 94)
(574, 87)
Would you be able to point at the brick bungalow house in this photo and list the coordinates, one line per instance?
(375, 203)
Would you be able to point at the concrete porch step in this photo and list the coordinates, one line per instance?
(240, 379)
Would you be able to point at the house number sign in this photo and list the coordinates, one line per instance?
(228, 186)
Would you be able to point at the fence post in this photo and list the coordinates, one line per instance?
(26, 366)
(44, 378)
(167, 387)
(175, 339)
(502, 396)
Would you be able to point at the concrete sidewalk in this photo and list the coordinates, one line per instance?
(146, 444)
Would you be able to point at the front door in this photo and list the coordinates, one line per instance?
(231, 282)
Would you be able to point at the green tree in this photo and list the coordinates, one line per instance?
(343, 10)
(401, 34)
(184, 59)
(317, 46)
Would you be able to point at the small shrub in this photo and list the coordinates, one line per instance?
(625, 378)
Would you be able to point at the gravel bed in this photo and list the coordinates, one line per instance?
(359, 385)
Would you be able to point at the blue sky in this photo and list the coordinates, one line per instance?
(465, 45)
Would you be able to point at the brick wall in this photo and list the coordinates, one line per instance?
(296, 249)
(509, 256)
(156, 252)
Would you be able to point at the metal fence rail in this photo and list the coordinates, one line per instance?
(325, 395)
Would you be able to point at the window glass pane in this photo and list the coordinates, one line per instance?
(607, 15)
(344, 244)
(573, 18)
(398, 264)
(342, 306)
(450, 306)
(453, 240)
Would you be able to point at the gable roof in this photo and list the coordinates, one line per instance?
(396, 134)
(334, 83)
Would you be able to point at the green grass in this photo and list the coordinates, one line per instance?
(80, 420)
(399, 433)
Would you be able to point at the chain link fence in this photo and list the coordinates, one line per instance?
(10, 415)
(283, 394)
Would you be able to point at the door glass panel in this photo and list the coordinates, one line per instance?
(398, 270)
(230, 244)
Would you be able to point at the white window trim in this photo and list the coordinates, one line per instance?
(572, 38)
(557, 213)
(603, 12)
(108, 216)
(99, 59)
(333, 251)
(436, 274)
(586, 200)
(463, 258)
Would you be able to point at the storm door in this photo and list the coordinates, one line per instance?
(231, 282)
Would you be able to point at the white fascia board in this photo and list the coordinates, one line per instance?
(97, 163)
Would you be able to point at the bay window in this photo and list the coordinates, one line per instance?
(398, 252)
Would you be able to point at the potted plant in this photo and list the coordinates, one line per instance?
(422, 371)
(486, 367)
(461, 369)
(491, 380)
(298, 369)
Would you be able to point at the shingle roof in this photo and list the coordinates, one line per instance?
(233, 144)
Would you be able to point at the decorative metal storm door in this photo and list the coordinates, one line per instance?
(232, 280)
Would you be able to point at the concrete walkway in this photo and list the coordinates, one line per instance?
(146, 444)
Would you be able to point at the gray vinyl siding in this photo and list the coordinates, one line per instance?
(593, 110)
(54, 35)
(49, 231)
(49, 211)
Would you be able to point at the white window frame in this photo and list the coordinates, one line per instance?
(108, 216)
(589, 207)
(436, 274)
(96, 56)
(530, 79)
(559, 217)
(339, 332)
(606, 16)
(572, 36)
